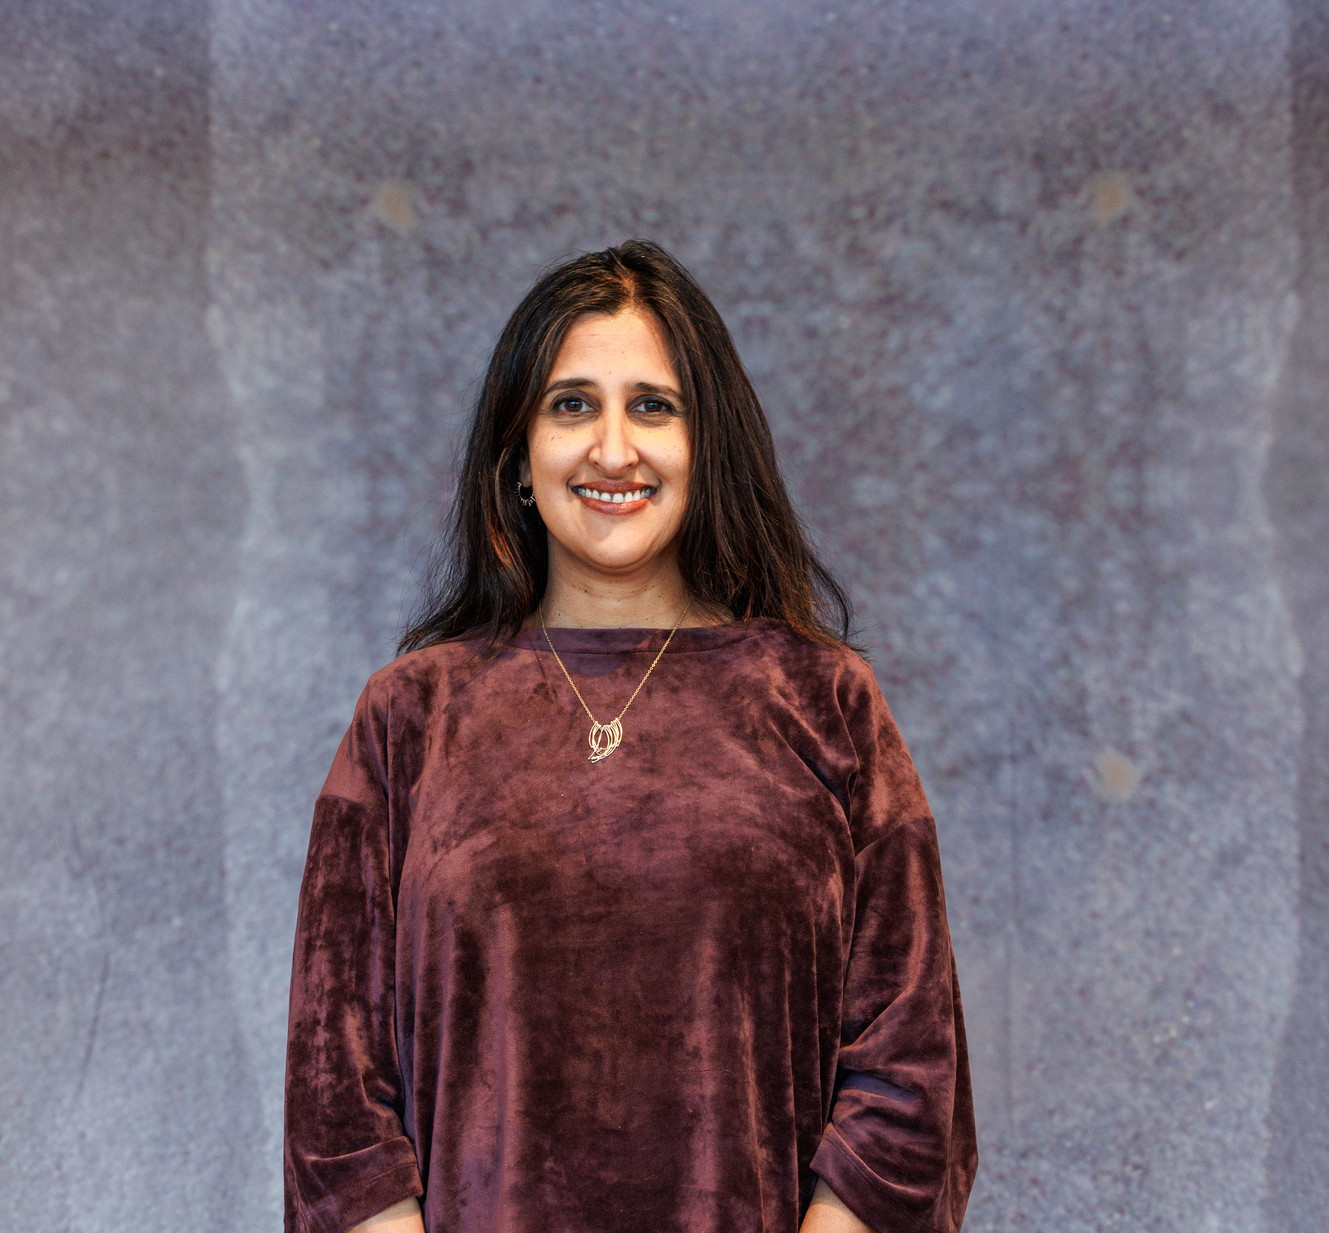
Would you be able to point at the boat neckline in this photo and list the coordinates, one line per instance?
(616, 641)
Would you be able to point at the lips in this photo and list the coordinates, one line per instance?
(615, 498)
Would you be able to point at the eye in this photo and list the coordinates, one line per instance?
(572, 405)
(655, 407)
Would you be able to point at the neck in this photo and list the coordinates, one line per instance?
(651, 598)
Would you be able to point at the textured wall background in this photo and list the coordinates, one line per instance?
(1037, 295)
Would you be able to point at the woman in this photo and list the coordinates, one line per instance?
(623, 910)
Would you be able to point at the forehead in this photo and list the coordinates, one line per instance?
(627, 346)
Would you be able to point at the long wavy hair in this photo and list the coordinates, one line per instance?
(741, 545)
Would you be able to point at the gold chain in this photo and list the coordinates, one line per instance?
(604, 738)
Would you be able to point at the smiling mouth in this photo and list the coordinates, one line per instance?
(614, 498)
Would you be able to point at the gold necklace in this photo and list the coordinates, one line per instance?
(605, 738)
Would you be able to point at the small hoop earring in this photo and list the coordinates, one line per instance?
(527, 501)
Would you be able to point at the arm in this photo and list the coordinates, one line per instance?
(898, 1149)
(403, 1217)
(827, 1214)
(347, 1155)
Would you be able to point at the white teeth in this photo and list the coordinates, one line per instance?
(613, 498)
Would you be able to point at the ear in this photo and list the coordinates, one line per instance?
(524, 471)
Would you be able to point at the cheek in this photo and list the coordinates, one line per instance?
(549, 457)
(682, 470)
(676, 459)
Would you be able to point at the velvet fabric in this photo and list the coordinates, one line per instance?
(657, 994)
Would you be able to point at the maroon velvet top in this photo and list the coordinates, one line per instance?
(657, 994)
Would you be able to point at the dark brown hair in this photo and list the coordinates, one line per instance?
(741, 545)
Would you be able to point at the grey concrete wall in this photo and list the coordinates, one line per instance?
(1037, 297)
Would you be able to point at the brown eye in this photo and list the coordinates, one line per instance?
(573, 406)
(654, 406)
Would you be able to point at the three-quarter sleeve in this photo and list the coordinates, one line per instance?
(347, 1156)
(899, 1148)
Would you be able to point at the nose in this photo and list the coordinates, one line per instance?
(614, 450)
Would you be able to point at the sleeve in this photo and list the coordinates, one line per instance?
(900, 1148)
(346, 1154)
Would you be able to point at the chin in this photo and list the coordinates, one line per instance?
(619, 564)
(620, 557)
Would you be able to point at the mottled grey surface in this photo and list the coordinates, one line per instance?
(1037, 295)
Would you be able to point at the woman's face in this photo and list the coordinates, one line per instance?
(608, 450)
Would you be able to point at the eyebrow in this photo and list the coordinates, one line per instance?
(638, 387)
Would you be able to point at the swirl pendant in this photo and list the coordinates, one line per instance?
(604, 739)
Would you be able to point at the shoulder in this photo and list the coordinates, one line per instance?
(835, 692)
(416, 686)
(833, 687)
(389, 735)
(419, 682)
(837, 669)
